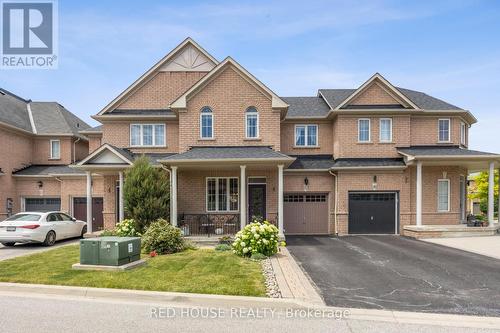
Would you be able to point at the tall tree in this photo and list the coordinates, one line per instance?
(146, 193)
(480, 190)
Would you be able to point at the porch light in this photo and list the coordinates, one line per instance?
(40, 184)
(306, 181)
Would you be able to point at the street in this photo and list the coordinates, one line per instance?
(50, 313)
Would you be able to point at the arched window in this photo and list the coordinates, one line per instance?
(206, 123)
(252, 123)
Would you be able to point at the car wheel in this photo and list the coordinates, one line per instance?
(84, 231)
(50, 239)
(8, 244)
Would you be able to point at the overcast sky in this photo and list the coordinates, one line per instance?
(448, 49)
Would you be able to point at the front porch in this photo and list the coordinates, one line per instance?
(449, 231)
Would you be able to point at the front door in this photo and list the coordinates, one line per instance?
(256, 201)
(80, 212)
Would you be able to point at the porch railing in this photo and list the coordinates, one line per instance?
(209, 224)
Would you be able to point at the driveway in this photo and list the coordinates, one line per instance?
(25, 249)
(485, 245)
(397, 273)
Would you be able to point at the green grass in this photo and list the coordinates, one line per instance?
(194, 271)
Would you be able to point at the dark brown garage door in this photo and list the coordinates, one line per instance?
(305, 213)
(80, 212)
(372, 213)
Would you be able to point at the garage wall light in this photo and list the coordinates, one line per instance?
(40, 184)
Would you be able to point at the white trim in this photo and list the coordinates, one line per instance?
(141, 136)
(98, 151)
(211, 114)
(256, 113)
(32, 121)
(306, 136)
(52, 157)
(369, 130)
(228, 195)
(153, 69)
(449, 130)
(380, 130)
(448, 200)
(463, 133)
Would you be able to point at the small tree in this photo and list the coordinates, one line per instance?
(480, 190)
(146, 193)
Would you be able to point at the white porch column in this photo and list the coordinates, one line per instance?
(243, 197)
(280, 200)
(121, 214)
(89, 202)
(173, 197)
(499, 196)
(419, 194)
(491, 194)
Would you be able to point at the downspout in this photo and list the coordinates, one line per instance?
(336, 201)
(74, 149)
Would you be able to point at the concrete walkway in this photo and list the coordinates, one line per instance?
(487, 246)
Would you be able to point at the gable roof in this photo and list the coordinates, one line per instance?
(122, 154)
(306, 107)
(181, 102)
(188, 42)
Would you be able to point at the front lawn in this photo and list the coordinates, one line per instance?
(194, 271)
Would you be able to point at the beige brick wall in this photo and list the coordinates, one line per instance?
(424, 130)
(81, 149)
(374, 95)
(118, 134)
(229, 95)
(161, 90)
(325, 139)
(95, 141)
(41, 150)
(346, 137)
(16, 150)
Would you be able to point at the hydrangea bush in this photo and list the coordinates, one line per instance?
(163, 238)
(127, 228)
(256, 237)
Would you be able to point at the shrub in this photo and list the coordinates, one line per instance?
(223, 247)
(108, 232)
(127, 228)
(225, 240)
(146, 193)
(258, 256)
(257, 237)
(162, 238)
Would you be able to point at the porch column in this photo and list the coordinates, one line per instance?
(120, 198)
(498, 196)
(280, 200)
(89, 202)
(419, 194)
(243, 197)
(173, 197)
(491, 194)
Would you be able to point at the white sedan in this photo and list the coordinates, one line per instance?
(37, 227)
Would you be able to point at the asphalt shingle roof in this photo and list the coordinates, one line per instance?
(97, 129)
(14, 111)
(40, 170)
(51, 117)
(368, 162)
(303, 162)
(210, 153)
(441, 151)
(306, 107)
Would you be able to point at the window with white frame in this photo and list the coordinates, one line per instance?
(222, 194)
(463, 134)
(55, 149)
(385, 130)
(147, 135)
(443, 195)
(306, 135)
(252, 123)
(364, 130)
(444, 130)
(206, 123)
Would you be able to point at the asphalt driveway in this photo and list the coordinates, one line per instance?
(25, 249)
(397, 273)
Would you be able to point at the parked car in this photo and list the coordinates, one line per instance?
(39, 227)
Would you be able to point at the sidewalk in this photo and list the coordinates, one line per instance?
(486, 245)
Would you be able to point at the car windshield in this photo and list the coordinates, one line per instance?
(24, 217)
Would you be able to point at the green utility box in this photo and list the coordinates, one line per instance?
(117, 251)
(89, 251)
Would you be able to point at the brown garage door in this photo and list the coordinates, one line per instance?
(305, 213)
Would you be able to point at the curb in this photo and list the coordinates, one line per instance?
(223, 301)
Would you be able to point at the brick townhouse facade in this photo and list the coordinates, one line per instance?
(367, 160)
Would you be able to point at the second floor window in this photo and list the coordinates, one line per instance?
(55, 149)
(206, 123)
(364, 130)
(386, 130)
(147, 135)
(444, 130)
(463, 134)
(252, 123)
(306, 135)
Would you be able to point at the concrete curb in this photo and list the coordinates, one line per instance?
(222, 301)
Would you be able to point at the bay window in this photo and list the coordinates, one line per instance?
(222, 194)
(147, 135)
(444, 130)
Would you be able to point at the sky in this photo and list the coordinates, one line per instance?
(447, 49)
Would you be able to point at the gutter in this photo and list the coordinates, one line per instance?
(74, 149)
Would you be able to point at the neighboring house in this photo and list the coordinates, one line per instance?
(38, 142)
(474, 204)
(367, 160)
